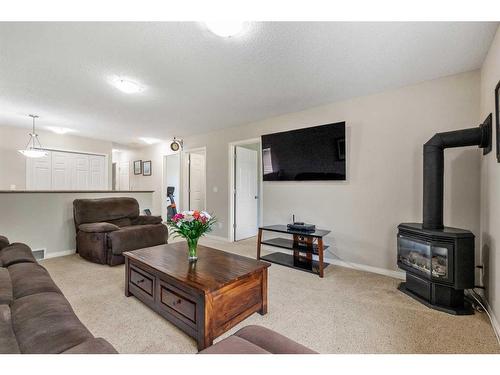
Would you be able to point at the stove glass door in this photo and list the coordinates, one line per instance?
(442, 261)
(414, 255)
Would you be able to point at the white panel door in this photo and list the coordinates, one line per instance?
(196, 182)
(62, 166)
(124, 175)
(40, 173)
(246, 194)
(96, 172)
(81, 172)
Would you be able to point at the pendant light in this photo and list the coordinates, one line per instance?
(34, 147)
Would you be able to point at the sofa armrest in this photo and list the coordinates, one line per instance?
(144, 220)
(257, 340)
(4, 242)
(98, 227)
(137, 237)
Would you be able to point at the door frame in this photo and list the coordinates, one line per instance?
(232, 175)
(184, 175)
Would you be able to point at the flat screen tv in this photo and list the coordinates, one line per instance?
(316, 153)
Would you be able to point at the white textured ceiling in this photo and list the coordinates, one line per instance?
(196, 81)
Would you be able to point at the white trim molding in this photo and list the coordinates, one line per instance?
(215, 237)
(363, 267)
(63, 253)
(401, 275)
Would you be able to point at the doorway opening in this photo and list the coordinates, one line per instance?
(194, 179)
(246, 187)
(171, 178)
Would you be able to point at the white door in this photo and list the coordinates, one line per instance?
(196, 182)
(124, 176)
(246, 193)
(96, 172)
(81, 172)
(62, 166)
(39, 176)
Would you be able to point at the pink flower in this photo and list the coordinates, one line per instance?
(177, 217)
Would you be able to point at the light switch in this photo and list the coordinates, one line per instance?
(215, 189)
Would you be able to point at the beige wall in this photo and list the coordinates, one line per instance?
(45, 220)
(13, 164)
(490, 184)
(385, 134)
(155, 153)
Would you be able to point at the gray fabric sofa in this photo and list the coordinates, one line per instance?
(107, 227)
(35, 317)
(257, 340)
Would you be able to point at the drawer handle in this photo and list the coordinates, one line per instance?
(140, 281)
(178, 302)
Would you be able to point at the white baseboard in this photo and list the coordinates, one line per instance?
(356, 266)
(59, 254)
(363, 267)
(214, 237)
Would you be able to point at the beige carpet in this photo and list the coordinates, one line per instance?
(348, 311)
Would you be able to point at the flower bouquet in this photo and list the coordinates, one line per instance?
(191, 225)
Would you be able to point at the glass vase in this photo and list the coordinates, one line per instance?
(192, 249)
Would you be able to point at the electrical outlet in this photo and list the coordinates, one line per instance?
(219, 224)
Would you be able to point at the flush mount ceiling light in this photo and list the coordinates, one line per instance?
(59, 130)
(149, 141)
(34, 147)
(126, 85)
(226, 29)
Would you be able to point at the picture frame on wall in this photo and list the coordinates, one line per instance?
(138, 167)
(497, 119)
(146, 168)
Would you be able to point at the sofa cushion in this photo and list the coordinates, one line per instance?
(4, 242)
(137, 237)
(234, 345)
(92, 346)
(16, 253)
(30, 278)
(8, 342)
(46, 323)
(5, 287)
(98, 227)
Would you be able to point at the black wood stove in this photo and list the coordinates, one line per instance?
(438, 260)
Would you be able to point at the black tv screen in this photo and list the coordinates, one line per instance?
(316, 153)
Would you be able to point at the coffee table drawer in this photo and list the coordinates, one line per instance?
(142, 280)
(172, 299)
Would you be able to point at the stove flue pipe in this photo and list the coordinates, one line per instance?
(434, 167)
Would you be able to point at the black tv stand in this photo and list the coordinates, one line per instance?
(303, 245)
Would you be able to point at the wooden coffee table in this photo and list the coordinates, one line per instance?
(205, 298)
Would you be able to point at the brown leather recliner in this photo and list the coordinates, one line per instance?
(107, 227)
